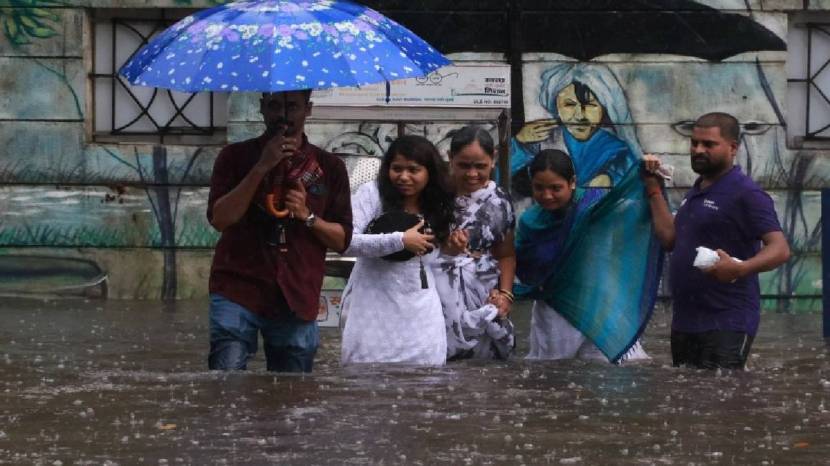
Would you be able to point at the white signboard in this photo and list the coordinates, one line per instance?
(472, 86)
(328, 314)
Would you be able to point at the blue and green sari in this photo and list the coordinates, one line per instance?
(596, 262)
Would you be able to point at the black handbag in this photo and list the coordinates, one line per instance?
(398, 220)
(391, 222)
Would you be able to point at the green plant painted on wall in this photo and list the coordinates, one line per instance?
(24, 21)
(27, 20)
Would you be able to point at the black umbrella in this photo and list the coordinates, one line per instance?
(583, 29)
(586, 29)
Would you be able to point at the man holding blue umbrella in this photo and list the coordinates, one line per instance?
(269, 263)
(278, 200)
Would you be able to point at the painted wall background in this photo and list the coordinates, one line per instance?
(71, 209)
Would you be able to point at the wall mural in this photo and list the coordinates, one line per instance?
(596, 119)
(82, 206)
(27, 21)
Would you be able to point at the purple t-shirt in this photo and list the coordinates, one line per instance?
(732, 214)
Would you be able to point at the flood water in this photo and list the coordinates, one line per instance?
(109, 382)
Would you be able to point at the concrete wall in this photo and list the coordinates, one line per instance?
(138, 214)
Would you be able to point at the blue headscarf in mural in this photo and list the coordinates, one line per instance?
(598, 264)
(616, 145)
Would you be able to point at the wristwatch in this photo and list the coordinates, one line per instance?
(309, 221)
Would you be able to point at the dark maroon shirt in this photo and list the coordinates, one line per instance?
(732, 214)
(252, 273)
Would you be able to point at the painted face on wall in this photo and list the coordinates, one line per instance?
(712, 154)
(581, 114)
(407, 176)
(551, 190)
(471, 167)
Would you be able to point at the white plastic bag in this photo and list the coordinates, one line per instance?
(707, 258)
(666, 172)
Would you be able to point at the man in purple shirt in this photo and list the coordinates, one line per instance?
(716, 311)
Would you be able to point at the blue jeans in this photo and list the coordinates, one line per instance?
(290, 343)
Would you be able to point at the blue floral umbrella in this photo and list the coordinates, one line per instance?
(280, 45)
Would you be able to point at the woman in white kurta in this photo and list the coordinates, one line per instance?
(393, 314)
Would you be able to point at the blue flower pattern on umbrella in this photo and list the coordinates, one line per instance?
(276, 45)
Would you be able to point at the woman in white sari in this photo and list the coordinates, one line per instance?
(475, 272)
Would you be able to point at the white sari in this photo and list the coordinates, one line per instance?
(464, 281)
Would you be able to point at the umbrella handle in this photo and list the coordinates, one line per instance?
(272, 202)
(274, 199)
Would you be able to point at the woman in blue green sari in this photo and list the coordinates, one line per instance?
(547, 233)
(598, 271)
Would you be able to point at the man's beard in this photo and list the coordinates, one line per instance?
(702, 165)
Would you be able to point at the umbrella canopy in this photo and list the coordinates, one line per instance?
(586, 29)
(281, 45)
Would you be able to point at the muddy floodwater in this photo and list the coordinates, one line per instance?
(109, 382)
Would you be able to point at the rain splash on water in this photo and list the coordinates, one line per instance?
(109, 382)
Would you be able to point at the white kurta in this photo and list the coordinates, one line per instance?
(388, 316)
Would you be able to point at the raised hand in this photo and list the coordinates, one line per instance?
(650, 165)
(536, 131)
(277, 149)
